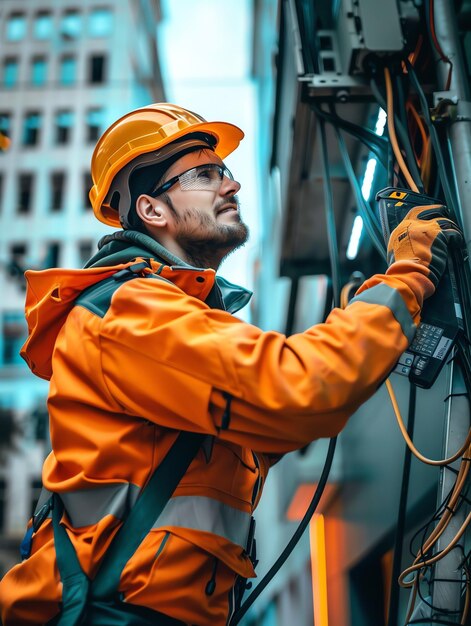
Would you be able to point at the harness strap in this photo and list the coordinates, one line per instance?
(148, 507)
(75, 584)
(77, 587)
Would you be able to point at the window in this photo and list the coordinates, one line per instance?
(14, 335)
(10, 72)
(71, 24)
(25, 191)
(68, 69)
(51, 257)
(5, 123)
(96, 69)
(94, 121)
(38, 71)
(17, 262)
(57, 190)
(87, 185)
(40, 424)
(64, 124)
(85, 251)
(31, 128)
(43, 25)
(16, 27)
(100, 22)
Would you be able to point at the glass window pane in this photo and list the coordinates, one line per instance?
(18, 262)
(96, 69)
(57, 190)
(71, 25)
(25, 189)
(38, 71)
(10, 72)
(67, 70)
(5, 121)
(94, 124)
(52, 255)
(64, 123)
(16, 27)
(14, 334)
(43, 25)
(100, 23)
(87, 185)
(31, 129)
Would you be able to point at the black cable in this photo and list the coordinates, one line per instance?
(280, 70)
(450, 197)
(401, 109)
(462, 273)
(369, 219)
(294, 539)
(390, 168)
(330, 218)
(400, 123)
(377, 144)
(431, 582)
(403, 136)
(425, 528)
(393, 612)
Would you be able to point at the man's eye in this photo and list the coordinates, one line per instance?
(207, 174)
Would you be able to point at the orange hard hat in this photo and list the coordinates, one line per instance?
(148, 130)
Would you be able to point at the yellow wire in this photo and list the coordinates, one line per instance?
(420, 125)
(392, 132)
(405, 434)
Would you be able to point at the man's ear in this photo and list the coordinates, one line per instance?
(151, 211)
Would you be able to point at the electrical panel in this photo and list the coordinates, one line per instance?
(362, 30)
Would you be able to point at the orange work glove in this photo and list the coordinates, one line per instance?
(420, 244)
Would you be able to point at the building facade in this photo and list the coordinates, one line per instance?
(67, 70)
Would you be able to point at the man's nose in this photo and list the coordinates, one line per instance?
(228, 187)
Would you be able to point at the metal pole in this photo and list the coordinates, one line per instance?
(446, 30)
(446, 592)
(446, 589)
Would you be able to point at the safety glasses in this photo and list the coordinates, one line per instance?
(203, 177)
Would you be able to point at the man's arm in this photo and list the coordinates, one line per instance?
(174, 361)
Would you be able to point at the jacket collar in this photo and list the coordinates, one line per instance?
(124, 245)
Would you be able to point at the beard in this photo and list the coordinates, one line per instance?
(205, 241)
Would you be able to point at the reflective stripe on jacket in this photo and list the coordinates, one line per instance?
(159, 361)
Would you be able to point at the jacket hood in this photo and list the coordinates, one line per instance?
(51, 294)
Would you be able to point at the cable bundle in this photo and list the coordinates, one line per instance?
(414, 158)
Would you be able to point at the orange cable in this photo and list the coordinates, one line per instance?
(420, 125)
(392, 133)
(409, 442)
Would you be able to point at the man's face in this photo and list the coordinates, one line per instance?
(204, 222)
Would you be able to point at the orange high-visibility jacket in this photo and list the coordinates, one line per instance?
(158, 360)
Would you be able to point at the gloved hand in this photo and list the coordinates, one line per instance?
(423, 238)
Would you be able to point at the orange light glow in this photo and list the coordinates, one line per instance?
(319, 570)
(302, 498)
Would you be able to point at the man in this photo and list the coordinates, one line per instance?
(141, 346)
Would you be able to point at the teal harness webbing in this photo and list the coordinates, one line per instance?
(79, 592)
